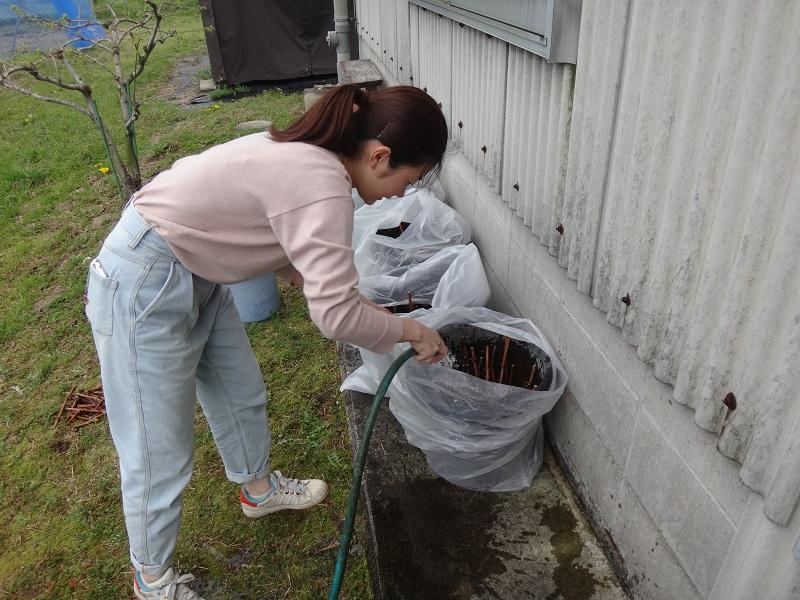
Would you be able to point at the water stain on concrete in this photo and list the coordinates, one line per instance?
(463, 518)
(573, 581)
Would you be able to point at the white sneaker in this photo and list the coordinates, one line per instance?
(170, 586)
(286, 494)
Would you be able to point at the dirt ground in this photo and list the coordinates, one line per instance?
(182, 87)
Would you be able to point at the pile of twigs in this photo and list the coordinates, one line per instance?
(82, 408)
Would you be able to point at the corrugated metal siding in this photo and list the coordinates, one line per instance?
(700, 217)
(478, 100)
(404, 33)
(673, 170)
(384, 27)
(434, 72)
(388, 39)
(538, 115)
(413, 31)
(364, 27)
(600, 57)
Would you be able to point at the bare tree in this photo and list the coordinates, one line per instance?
(61, 67)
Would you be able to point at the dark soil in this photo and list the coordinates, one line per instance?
(522, 358)
(394, 232)
(400, 309)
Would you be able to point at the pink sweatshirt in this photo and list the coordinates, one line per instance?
(252, 206)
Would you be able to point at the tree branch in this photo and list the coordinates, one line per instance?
(55, 67)
(99, 63)
(34, 72)
(135, 25)
(84, 87)
(141, 59)
(6, 71)
(17, 88)
(134, 116)
(93, 44)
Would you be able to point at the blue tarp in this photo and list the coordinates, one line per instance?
(17, 35)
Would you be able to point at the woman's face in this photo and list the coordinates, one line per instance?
(393, 182)
(374, 178)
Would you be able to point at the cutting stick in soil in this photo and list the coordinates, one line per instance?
(411, 306)
(497, 358)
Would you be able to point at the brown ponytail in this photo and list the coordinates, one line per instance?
(403, 118)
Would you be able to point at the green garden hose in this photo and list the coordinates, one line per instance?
(358, 472)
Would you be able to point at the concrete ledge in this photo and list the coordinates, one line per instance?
(429, 539)
(362, 72)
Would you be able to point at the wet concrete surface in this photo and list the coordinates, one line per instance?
(431, 540)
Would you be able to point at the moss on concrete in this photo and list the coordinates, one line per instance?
(573, 581)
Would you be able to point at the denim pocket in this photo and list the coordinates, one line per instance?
(100, 291)
(151, 284)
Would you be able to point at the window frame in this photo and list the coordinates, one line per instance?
(564, 13)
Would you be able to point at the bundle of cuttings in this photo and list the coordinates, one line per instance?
(82, 408)
(496, 358)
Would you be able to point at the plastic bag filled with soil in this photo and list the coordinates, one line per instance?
(478, 424)
(398, 233)
(454, 274)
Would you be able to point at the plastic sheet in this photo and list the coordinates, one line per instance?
(477, 434)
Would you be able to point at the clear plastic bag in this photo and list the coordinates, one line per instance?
(451, 277)
(397, 233)
(477, 434)
(464, 283)
(434, 186)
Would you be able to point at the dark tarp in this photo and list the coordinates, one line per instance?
(250, 40)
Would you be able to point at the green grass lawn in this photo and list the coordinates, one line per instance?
(61, 526)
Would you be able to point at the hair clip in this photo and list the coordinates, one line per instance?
(383, 131)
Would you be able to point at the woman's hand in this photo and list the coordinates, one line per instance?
(426, 341)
